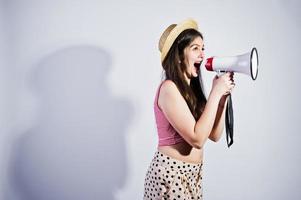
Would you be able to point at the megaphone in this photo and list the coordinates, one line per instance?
(246, 63)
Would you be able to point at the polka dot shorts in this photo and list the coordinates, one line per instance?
(168, 178)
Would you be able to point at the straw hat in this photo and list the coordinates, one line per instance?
(171, 33)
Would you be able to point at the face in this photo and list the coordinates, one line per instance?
(194, 54)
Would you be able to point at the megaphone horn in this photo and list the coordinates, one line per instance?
(246, 63)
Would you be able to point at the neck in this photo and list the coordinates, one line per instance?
(187, 79)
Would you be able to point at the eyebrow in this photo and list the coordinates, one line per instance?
(196, 45)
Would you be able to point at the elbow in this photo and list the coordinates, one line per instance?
(198, 141)
(214, 139)
(197, 144)
(215, 135)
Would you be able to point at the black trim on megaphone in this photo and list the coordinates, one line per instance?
(254, 49)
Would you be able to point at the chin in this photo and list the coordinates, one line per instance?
(194, 75)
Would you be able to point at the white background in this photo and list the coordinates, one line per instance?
(77, 84)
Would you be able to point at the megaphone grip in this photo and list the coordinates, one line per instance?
(229, 121)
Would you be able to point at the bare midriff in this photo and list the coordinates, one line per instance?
(183, 152)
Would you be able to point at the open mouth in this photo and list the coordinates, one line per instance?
(197, 66)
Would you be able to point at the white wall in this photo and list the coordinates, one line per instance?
(82, 76)
(2, 95)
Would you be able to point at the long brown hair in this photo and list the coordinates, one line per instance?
(175, 67)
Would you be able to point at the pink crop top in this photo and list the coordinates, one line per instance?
(166, 133)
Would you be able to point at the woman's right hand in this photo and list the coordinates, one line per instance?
(223, 85)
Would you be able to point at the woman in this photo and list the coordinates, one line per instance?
(185, 119)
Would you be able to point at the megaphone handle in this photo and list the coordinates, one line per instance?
(219, 73)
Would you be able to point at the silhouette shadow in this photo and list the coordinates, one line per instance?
(76, 149)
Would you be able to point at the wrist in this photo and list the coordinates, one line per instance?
(216, 94)
(214, 99)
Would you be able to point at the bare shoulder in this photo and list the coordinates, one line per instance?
(169, 88)
(169, 94)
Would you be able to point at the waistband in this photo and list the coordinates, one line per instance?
(174, 164)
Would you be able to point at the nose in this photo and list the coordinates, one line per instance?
(202, 55)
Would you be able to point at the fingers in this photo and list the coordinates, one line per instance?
(231, 83)
(225, 82)
(229, 91)
(232, 76)
(229, 77)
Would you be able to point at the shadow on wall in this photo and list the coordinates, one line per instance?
(76, 150)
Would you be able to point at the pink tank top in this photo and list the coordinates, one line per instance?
(166, 133)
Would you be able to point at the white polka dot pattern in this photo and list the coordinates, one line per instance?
(168, 178)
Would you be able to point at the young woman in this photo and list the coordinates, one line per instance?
(185, 118)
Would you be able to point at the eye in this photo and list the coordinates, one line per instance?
(203, 49)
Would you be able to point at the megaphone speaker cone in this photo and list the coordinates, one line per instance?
(254, 63)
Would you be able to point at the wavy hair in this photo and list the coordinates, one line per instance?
(175, 70)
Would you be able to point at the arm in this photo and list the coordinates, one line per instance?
(219, 122)
(178, 114)
(175, 109)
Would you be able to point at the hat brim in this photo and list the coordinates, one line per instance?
(176, 31)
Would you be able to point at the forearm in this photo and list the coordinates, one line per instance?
(219, 123)
(206, 122)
